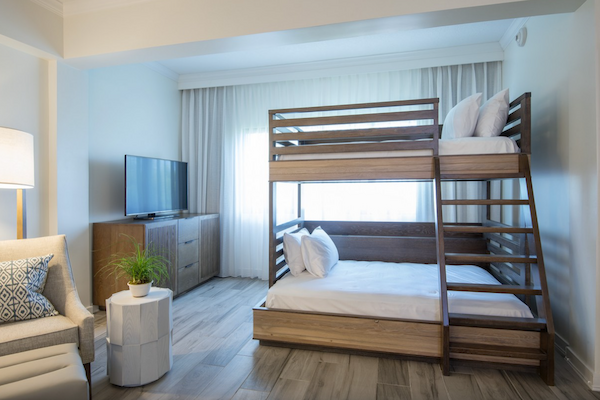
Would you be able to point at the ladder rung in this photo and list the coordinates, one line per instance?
(488, 258)
(489, 321)
(487, 202)
(498, 351)
(486, 229)
(482, 288)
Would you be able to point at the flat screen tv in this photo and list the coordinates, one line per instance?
(155, 187)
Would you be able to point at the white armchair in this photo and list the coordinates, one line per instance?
(75, 324)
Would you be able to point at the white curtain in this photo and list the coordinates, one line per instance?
(224, 140)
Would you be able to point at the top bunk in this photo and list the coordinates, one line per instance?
(390, 141)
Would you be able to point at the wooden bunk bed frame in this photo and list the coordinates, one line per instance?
(512, 254)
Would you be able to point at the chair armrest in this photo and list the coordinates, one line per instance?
(76, 312)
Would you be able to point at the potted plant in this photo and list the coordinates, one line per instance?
(142, 266)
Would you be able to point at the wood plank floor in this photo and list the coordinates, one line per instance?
(214, 357)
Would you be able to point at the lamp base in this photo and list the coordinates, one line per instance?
(21, 215)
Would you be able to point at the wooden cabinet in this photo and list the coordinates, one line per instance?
(190, 243)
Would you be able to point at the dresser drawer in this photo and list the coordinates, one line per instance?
(188, 229)
(187, 253)
(187, 277)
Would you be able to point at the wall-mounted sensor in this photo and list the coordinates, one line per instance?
(521, 37)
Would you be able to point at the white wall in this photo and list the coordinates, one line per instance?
(558, 65)
(26, 23)
(132, 110)
(24, 106)
(72, 174)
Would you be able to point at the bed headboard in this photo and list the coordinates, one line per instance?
(394, 241)
(518, 124)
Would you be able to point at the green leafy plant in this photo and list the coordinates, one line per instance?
(140, 265)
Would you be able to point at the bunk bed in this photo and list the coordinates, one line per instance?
(401, 141)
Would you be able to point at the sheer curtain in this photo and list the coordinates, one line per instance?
(224, 140)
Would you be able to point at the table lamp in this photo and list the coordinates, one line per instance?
(16, 170)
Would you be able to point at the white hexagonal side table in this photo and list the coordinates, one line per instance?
(138, 337)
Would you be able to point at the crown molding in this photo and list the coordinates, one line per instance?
(511, 32)
(56, 6)
(74, 7)
(161, 69)
(348, 66)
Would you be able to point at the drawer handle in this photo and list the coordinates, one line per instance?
(189, 265)
(189, 241)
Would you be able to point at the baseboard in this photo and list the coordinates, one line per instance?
(581, 369)
(93, 309)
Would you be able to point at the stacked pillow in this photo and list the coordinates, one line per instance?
(21, 285)
(468, 119)
(314, 252)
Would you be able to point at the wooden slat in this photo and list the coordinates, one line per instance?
(488, 258)
(498, 351)
(286, 225)
(487, 202)
(370, 133)
(480, 166)
(519, 99)
(452, 167)
(278, 253)
(367, 334)
(355, 147)
(515, 130)
(382, 104)
(514, 245)
(369, 228)
(487, 321)
(486, 229)
(514, 116)
(495, 336)
(281, 273)
(351, 169)
(480, 288)
(355, 119)
(401, 249)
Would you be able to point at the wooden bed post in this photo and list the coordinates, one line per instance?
(441, 257)
(272, 234)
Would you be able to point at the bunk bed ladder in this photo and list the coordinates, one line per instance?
(532, 282)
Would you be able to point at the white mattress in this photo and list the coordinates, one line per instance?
(394, 290)
(461, 146)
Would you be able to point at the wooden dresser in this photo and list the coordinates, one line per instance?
(190, 242)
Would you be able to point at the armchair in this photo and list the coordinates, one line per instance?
(75, 324)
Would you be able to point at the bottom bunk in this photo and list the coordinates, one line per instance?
(394, 308)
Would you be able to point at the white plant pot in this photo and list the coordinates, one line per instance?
(139, 290)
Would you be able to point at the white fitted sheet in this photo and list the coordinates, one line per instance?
(394, 290)
(461, 146)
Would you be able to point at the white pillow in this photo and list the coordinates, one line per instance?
(462, 118)
(319, 253)
(492, 115)
(292, 252)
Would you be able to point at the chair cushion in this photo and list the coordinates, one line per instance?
(21, 284)
(21, 336)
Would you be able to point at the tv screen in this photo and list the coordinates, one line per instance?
(154, 186)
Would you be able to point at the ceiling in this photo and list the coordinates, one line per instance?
(343, 44)
(345, 48)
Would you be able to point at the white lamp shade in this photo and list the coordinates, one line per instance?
(16, 159)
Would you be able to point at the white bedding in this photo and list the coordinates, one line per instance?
(395, 290)
(461, 146)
